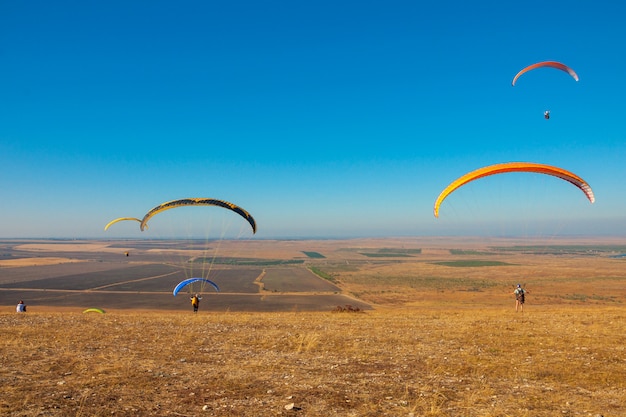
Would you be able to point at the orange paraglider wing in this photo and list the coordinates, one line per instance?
(515, 167)
(552, 64)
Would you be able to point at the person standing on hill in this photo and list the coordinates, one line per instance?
(195, 302)
(520, 297)
(21, 307)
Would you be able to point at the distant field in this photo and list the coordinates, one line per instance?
(250, 261)
(296, 280)
(105, 277)
(314, 255)
(471, 263)
(370, 272)
(150, 287)
(391, 253)
(564, 249)
(385, 255)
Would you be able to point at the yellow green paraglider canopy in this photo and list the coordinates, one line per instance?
(94, 310)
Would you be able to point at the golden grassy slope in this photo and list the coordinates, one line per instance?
(559, 360)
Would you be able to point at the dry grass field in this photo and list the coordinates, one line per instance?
(566, 361)
(440, 336)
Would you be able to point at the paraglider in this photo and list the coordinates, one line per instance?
(94, 310)
(195, 302)
(188, 281)
(551, 64)
(120, 219)
(515, 167)
(198, 202)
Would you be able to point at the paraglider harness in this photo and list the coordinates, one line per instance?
(195, 301)
(520, 294)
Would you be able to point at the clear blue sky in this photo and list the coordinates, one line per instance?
(322, 119)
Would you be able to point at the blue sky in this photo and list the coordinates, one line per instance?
(322, 119)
